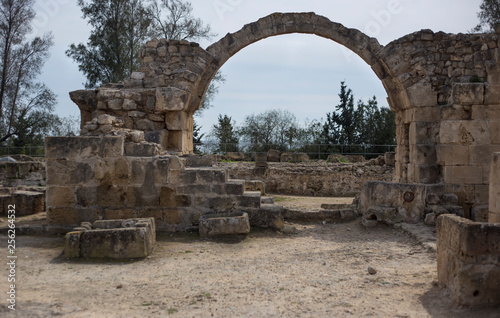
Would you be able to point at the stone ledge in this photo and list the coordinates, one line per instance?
(118, 239)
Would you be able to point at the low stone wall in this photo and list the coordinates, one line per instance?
(23, 172)
(316, 178)
(469, 260)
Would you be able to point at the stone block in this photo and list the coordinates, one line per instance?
(408, 199)
(480, 213)
(423, 133)
(176, 120)
(249, 200)
(492, 94)
(168, 197)
(465, 132)
(260, 157)
(425, 114)
(71, 216)
(267, 216)
(170, 99)
(456, 112)
(390, 159)
(495, 131)
(235, 156)
(61, 197)
(273, 156)
(72, 244)
(423, 154)
(422, 95)
(195, 161)
(145, 125)
(235, 187)
(494, 189)
(468, 260)
(134, 239)
(141, 150)
(467, 93)
(299, 157)
(463, 174)
(213, 225)
(481, 193)
(481, 155)
(286, 157)
(119, 214)
(427, 174)
(452, 155)
(255, 185)
(172, 216)
(210, 175)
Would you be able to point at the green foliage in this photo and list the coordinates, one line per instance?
(197, 136)
(365, 124)
(273, 129)
(120, 29)
(225, 135)
(26, 106)
(489, 16)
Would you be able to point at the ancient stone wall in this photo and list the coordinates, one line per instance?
(442, 87)
(94, 178)
(468, 260)
(311, 178)
(23, 172)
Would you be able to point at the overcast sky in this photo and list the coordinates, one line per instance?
(299, 73)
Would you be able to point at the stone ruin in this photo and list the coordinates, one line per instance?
(443, 88)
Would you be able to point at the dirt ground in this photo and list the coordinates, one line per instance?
(320, 271)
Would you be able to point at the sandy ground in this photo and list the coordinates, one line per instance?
(321, 271)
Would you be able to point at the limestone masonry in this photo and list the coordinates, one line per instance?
(443, 88)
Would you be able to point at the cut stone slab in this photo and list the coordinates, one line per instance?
(117, 239)
(223, 224)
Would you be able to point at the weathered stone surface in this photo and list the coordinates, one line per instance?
(235, 156)
(311, 178)
(119, 239)
(170, 99)
(273, 156)
(213, 225)
(494, 190)
(468, 260)
(255, 185)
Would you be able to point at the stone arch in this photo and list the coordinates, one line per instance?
(306, 23)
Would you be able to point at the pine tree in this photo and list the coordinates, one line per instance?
(226, 135)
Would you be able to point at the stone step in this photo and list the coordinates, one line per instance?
(267, 200)
(320, 215)
(235, 187)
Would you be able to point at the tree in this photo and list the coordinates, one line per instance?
(271, 129)
(175, 21)
(25, 105)
(120, 29)
(226, 135)
(339, 127)
(197, 136)
(489, 16)
(365, 124)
